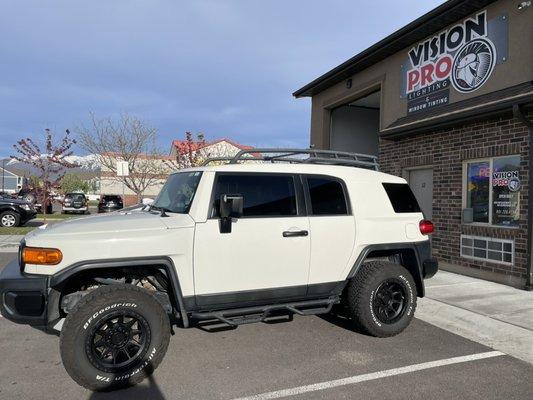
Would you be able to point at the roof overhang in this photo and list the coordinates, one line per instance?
(435, 20)
(477, 108)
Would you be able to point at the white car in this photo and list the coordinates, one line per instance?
(235, 243)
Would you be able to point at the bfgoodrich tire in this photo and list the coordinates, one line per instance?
(115, 337)
(381, 298)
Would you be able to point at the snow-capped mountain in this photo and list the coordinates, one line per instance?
(86, 165)
(89, 161)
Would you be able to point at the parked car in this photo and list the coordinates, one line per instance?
(236, 243)
(109, 203)
(33, 196)
(7, 195)
(75, 203)
(15, 212)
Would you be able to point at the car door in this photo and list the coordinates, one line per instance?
(266, 254)
(333, 231)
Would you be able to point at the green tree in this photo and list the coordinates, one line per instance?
(74, 183)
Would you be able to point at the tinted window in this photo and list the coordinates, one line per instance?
(112, 198)
(264, 195)
(327, 197)
(401, 197)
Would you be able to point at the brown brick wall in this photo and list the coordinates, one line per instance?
(446, 150)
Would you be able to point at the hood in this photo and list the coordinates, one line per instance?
(137, 222)
(5, 200)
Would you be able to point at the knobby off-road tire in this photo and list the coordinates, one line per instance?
(115, 337)
(381, 298)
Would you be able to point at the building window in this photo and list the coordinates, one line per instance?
(492, 190)
(487, 249)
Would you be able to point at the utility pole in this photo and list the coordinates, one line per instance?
(3, 173)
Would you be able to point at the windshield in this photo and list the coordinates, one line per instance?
(178, 192)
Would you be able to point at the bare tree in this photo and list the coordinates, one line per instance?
(126, 139)
(50, 161)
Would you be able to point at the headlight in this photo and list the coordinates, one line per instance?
(41, 256)
(26, 207)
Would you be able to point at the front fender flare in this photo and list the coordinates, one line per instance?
(165, 262)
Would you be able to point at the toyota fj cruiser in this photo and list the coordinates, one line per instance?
(267, 233)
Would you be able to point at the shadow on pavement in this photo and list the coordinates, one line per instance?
(337, 318)
(139, 392)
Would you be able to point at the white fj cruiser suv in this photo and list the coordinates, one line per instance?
(292, 232)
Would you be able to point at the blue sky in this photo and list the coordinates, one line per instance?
(226, 68)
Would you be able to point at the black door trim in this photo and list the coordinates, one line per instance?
(249, 298)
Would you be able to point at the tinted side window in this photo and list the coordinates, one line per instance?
(401, 197)
(264, 195)
(327, 197)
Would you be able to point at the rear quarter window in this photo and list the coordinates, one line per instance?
(401, 197)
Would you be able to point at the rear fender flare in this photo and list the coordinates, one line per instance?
(417, 272)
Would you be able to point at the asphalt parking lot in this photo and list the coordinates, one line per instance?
(306, 358)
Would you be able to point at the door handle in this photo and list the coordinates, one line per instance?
(295, 233)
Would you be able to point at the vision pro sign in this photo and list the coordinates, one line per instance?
(461, 58)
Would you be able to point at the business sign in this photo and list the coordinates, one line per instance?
(461, 58)
(123, 168)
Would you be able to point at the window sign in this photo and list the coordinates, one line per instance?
(493, 190)
(506, 191)
(478, 185)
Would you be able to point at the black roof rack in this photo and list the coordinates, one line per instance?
(301, 156)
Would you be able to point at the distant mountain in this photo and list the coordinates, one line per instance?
(86, 165)
(88, 162)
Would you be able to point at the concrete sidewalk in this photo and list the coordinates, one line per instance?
(9, 243)
(496, 315)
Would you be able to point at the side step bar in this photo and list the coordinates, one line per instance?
(248, 315)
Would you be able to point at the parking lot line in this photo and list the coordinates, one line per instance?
(371, 376)
(452, 284)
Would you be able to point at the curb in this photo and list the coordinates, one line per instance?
(508, 338)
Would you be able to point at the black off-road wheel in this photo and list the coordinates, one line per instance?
(381, 298)
(115, 337)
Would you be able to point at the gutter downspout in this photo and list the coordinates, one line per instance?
(519, 114)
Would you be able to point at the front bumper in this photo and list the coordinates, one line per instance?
(27, 215)
(23, 298)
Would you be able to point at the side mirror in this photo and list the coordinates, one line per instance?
(231, 206)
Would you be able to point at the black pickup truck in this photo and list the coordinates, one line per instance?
(15, 212)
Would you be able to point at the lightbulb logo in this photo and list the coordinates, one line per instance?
(473, 63)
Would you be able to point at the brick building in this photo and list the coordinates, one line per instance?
(446, 102)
